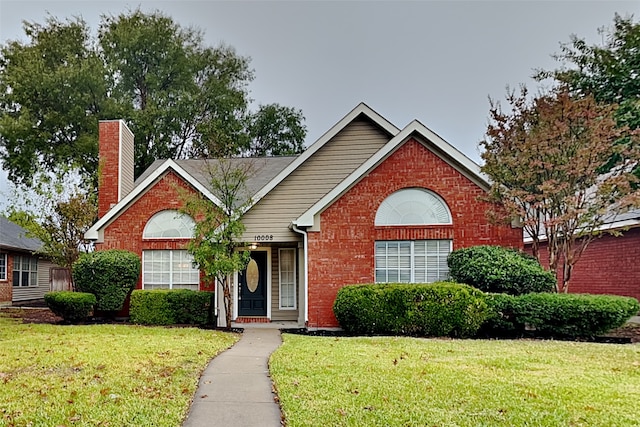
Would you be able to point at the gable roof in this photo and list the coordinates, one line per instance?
(194, 172)
(416, 130)
(273, 171)
(13, 237)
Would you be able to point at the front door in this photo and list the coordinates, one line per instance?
(252, 289)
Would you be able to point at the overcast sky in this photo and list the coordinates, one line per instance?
(435, 61)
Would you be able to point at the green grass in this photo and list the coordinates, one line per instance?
(101, 375)
(385, 381)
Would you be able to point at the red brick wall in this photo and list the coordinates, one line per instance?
(126, 231)
(109, 132)
(342, 252)
(609, 265)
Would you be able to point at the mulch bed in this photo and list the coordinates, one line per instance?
(628, 333)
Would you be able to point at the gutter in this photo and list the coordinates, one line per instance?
(305, 248)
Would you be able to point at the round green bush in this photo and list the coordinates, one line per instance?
(435, 309)
(110, 275)
(496, 269)
(71, 306)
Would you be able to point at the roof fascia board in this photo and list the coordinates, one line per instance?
(458, 160)
(361, 108)
(627, 223)
(93, 232)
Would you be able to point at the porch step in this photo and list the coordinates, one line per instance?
(252, 319)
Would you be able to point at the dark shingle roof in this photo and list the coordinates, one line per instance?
(12, 236)
(261, 170)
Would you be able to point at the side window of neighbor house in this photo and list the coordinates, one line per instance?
(171, 268)
(287, 262)
(3, 266)
(412, 261)
(25, 270)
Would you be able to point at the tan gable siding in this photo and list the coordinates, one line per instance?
(269, 219)
(35, 292)
(127, 162)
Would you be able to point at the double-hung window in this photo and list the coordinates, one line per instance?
(416, 261)
(169, 269)
(3, 266)
(25, 271)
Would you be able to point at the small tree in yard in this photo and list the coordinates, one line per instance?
(216, 246)
(550, 160)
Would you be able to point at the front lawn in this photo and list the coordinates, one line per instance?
(101, 375)
(385, 381)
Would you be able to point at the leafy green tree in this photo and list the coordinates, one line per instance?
(59, 221)
(609, 71)
(216, 246)
(276, 131)
(181, 97)
(545, 158)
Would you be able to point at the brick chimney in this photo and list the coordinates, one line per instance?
(115, 151)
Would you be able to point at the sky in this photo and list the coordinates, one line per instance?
(435, 61)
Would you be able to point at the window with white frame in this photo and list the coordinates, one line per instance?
(413, 206)
(169, 269)
(3, 266)
(287, 280)
(417, 261)
(25, 271)
(169, 224)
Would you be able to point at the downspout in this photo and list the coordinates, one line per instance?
(306, 271)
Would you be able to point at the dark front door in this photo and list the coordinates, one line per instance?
(252, 292)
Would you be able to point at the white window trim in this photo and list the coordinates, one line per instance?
(4, 276)
(166, 212)
(295, 282)
(171, 252)
(388, 205)
(20, 271)
(412, 256)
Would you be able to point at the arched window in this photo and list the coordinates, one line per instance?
(169, 224)
(413, 206)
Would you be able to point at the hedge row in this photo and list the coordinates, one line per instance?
(500, 270)
(436, 309)
(73, 307)
(557, 315)
(169, 307)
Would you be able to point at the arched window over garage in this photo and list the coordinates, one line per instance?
(169, 224)
(413, 206)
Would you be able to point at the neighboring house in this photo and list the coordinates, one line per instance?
(24, 275)
(611, 262)
(367, 202)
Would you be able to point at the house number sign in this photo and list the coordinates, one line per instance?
(263, 237)
(253, 275)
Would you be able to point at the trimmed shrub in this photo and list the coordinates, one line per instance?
(71, 306)
(502, 318)
(575, 315)
(436, 309)
(110, 275)
(496, 269)
(557, 315)
(169, 307)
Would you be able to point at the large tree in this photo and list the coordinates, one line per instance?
(609, 71)
(545, 157)
(180, 97)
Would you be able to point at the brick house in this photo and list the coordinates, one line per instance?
(24, 275)
(367, 202)
(610, 264)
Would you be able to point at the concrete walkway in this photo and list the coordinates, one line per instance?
(235, 389)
